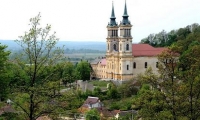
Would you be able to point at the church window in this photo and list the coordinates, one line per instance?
(127, 46)
(156, 64)
(134, 65)
(120, 67)
(127, 67)
(120, 46)
(115, 47)
(145, 65)
(112, 33)
(108, 46)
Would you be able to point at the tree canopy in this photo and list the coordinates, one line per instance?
(4, 74)
(174, 93)
(37, 91)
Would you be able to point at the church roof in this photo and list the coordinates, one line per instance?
(96, 61)
(145, 50)
(103, 61)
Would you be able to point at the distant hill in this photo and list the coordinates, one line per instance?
(101, 46)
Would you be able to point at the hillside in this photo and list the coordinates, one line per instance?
(165, 38)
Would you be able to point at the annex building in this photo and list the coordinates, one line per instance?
(124, 60)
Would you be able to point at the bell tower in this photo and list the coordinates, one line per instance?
(112, 52)
(125, 47)
(112, 37)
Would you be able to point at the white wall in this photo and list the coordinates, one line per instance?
(140, 64)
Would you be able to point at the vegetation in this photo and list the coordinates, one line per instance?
(35, 81)
(92, 115)
(4, 75)
(174, 94)
(83, 70)
(100, 83)
(166, 39)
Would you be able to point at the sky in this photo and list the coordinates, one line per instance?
(86, 20)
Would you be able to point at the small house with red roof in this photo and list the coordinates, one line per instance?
(90, 102)
(124, 60)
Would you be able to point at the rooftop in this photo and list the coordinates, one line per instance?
(145, 50)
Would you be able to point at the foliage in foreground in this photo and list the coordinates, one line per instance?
(174, 94)
(36, 82)
(4, 75)
(92, 114)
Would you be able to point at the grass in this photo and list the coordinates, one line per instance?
(99, 83)
(122, 103)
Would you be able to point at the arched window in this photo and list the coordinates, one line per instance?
(108, 46)
(127, 46)
(145, 65)
(134, 65)
(156, 64)
(127, 67)
(120, 47)
(115, 47)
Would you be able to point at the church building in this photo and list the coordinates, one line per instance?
(124, 60)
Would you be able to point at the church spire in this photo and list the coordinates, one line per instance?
(112, 18)
(125, 20)
(125, 10)
(113, 12)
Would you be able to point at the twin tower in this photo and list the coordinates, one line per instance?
(119, 58)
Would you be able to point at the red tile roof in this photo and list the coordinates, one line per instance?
(103, 61)
(105, 112)
(140, 50)
(7, 108)
(91, 100)
(43, 118)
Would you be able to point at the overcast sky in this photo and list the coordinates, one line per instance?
(86, 20)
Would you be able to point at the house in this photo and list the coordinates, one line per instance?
(90, 102)
(7, 109)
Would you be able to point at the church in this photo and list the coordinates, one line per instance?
(124, 60)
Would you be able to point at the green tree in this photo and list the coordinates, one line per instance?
(39, 93)
(4, 74)
(161, 101)
(83, 70)
(128, 89)
(66, 71)
(175, 93)
(112, 92)
(150, 101)
(189, 74)
(92, 115)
